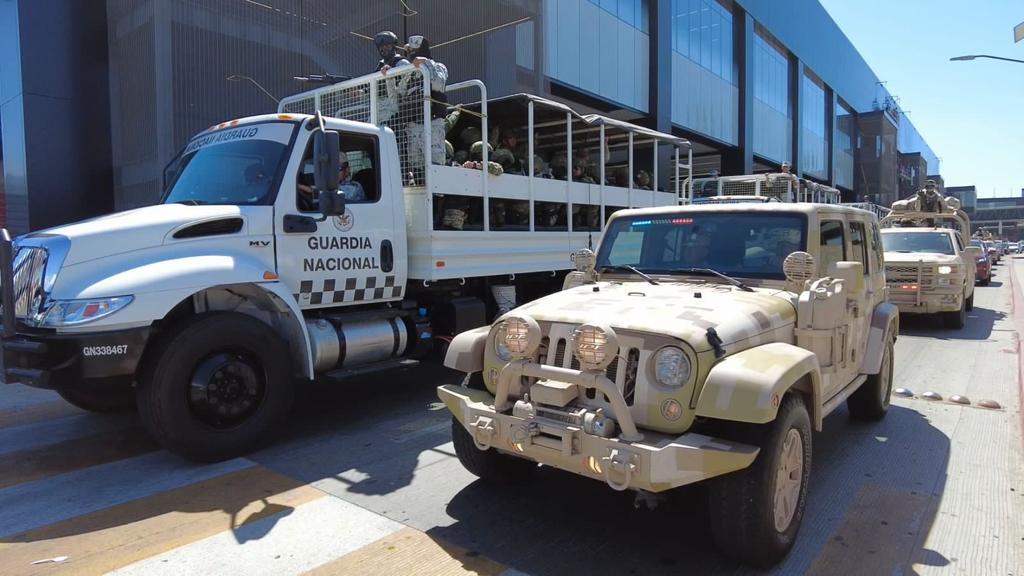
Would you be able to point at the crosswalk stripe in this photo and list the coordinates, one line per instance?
(410, 551)
(28, 465)
(48, 432)
(36, 412)
(114, 537)
(34, 504)
(287, 543)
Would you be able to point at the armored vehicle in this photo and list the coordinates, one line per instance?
(700, 343)
(930, 263)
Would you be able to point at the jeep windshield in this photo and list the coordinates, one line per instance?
(238, 166)
(741, 244)
(930, 242)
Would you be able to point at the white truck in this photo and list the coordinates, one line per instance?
(205, 310)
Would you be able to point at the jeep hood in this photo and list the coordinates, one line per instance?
(131, 230)
(680, 310)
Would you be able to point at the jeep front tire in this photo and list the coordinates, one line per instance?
(219, 385)
(871, 401)
(756, 513)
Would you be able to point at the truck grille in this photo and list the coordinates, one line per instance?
(29, 268)
(897, 274)
(561, 357)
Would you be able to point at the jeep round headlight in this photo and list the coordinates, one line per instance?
(945, 269)
(517, 337)
(595, 346)
(671, 366)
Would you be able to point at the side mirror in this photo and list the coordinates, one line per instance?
(331, 203)
(326, 144)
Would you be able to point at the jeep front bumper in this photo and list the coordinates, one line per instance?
(654, 462)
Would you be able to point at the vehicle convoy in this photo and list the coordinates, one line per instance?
(700, 343)
(206, 310)
(930, 263)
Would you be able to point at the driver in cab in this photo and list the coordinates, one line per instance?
(696, 249)
(352, 190)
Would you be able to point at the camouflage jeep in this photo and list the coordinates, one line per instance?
(699, 343)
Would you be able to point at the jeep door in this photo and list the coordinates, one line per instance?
(360, 256)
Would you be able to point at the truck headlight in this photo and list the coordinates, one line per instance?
(671, 366)
(75, 312)
(945, 269)
(517, 337)
(595, 346)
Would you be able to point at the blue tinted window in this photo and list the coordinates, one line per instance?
(702, 32)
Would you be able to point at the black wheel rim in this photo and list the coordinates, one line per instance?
(226, 389)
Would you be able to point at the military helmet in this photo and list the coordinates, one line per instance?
(469, 135)
(504, 157)
(385, 42)
(476, 150)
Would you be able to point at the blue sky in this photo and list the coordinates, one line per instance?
(970, 113)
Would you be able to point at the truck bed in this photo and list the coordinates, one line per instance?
(436, 254)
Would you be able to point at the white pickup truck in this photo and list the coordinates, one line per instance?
(205, 310)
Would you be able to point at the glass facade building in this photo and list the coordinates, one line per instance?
(754, 83)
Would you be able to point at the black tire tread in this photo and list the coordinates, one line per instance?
(741, 529)
(864, 404)
(192, 441)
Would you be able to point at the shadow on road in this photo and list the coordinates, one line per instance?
(562, 524)
(980, 323)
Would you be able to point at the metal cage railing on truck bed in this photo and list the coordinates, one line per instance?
(780, 187)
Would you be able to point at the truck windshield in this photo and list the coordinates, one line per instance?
(234, 166)
(738, 244)
(930, 242)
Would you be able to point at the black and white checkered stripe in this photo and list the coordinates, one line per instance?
(337, 291)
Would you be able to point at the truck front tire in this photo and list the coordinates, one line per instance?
(956, 320)
(756, 513)
(219, 385)
(488, 465)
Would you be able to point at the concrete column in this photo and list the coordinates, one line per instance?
(796, 88)
(741, 160)
(54, 101)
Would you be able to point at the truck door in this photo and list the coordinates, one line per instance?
(352, 259)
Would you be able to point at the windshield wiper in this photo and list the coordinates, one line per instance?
(630, 269)
(190, 202)
(711, 272)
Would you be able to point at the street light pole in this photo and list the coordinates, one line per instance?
(974, 56)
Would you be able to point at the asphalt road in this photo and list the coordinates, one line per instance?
(365, 481)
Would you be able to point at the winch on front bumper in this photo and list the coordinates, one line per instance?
(582, 441)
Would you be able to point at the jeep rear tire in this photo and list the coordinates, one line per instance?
(756, 513)
(956, 320)
(101, 396)
(871, 401)
(218, 387)
(488, 465)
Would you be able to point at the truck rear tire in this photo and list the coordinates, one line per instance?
(871, 401)
(756, 513)
(956, 320)
(488, 465)
(217, 388)
(101, 396)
